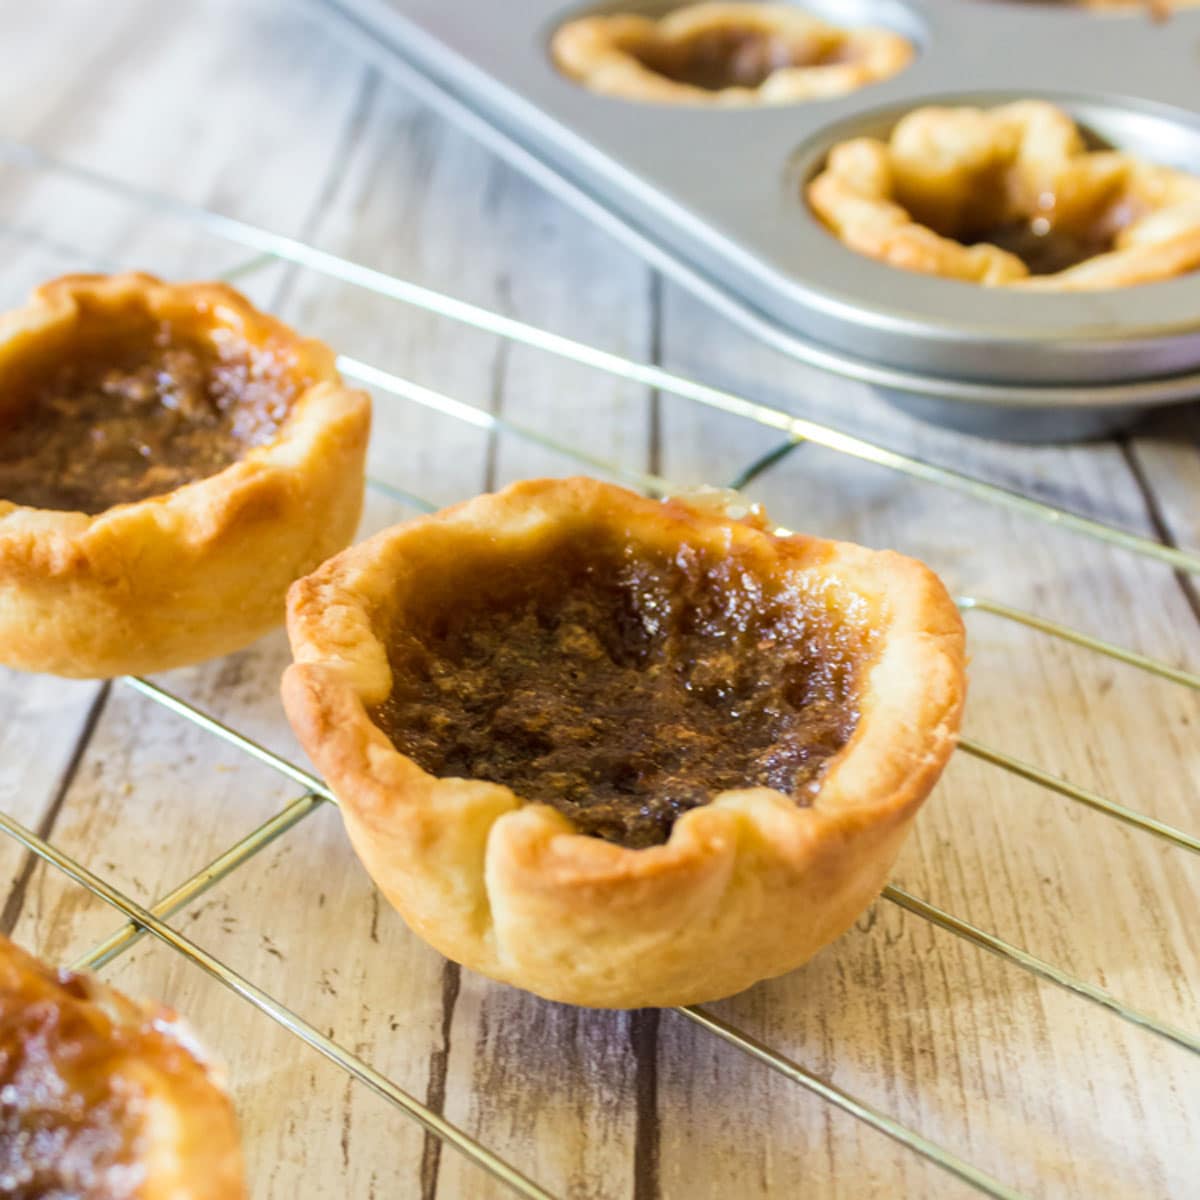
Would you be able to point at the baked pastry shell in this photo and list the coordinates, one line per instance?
(746, 887)
(598, 52)
(198, 571)
(146, 1064)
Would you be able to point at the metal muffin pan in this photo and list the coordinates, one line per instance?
(715, 196)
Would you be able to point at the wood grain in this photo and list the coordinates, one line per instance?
(253, 110)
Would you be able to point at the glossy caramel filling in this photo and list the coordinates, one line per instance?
(90, 1085)
(731, 57)
(126, 416)
(624, 691)
(65, 1122)
(1046, 250)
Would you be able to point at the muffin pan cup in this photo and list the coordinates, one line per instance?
(714, 196)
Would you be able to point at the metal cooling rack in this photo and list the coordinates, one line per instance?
(270, 248)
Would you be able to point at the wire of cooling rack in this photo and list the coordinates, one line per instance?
(315, 794)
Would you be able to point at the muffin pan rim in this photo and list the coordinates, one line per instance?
(1104, 361)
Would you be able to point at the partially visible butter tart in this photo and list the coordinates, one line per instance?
(105, 1098)
(621, 752)
(731, 55)
(170, 460)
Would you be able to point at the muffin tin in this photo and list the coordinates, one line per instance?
(715, 196)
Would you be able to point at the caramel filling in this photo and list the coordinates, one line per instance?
(624, 692)
(1046, 250)
(1045, 245)
(731, 57)
(74, 1111)
(126, 416)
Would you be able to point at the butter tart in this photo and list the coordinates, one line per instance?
(725, 54)
(171, 460)
(1009, 197)
(621, 752)
(105, 1098)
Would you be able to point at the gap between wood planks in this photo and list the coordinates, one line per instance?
(15, 902)
(344, 150)
(435, 1089)
(1157, 518)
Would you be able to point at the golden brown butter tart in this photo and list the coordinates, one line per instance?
(623, 752)
(171, 459)
(1011, 196)
(725, 54)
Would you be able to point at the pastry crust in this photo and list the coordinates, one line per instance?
(194, 572)
(746, 887)
(617, 55)
(947, 176)
(103, 1098)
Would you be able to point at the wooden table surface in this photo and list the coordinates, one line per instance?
(253, 109)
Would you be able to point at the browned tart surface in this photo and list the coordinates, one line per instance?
(624, 691)
(132, 415)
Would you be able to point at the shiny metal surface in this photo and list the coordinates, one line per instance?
(717, 195)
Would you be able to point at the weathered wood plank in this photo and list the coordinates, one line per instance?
(1165, 454)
